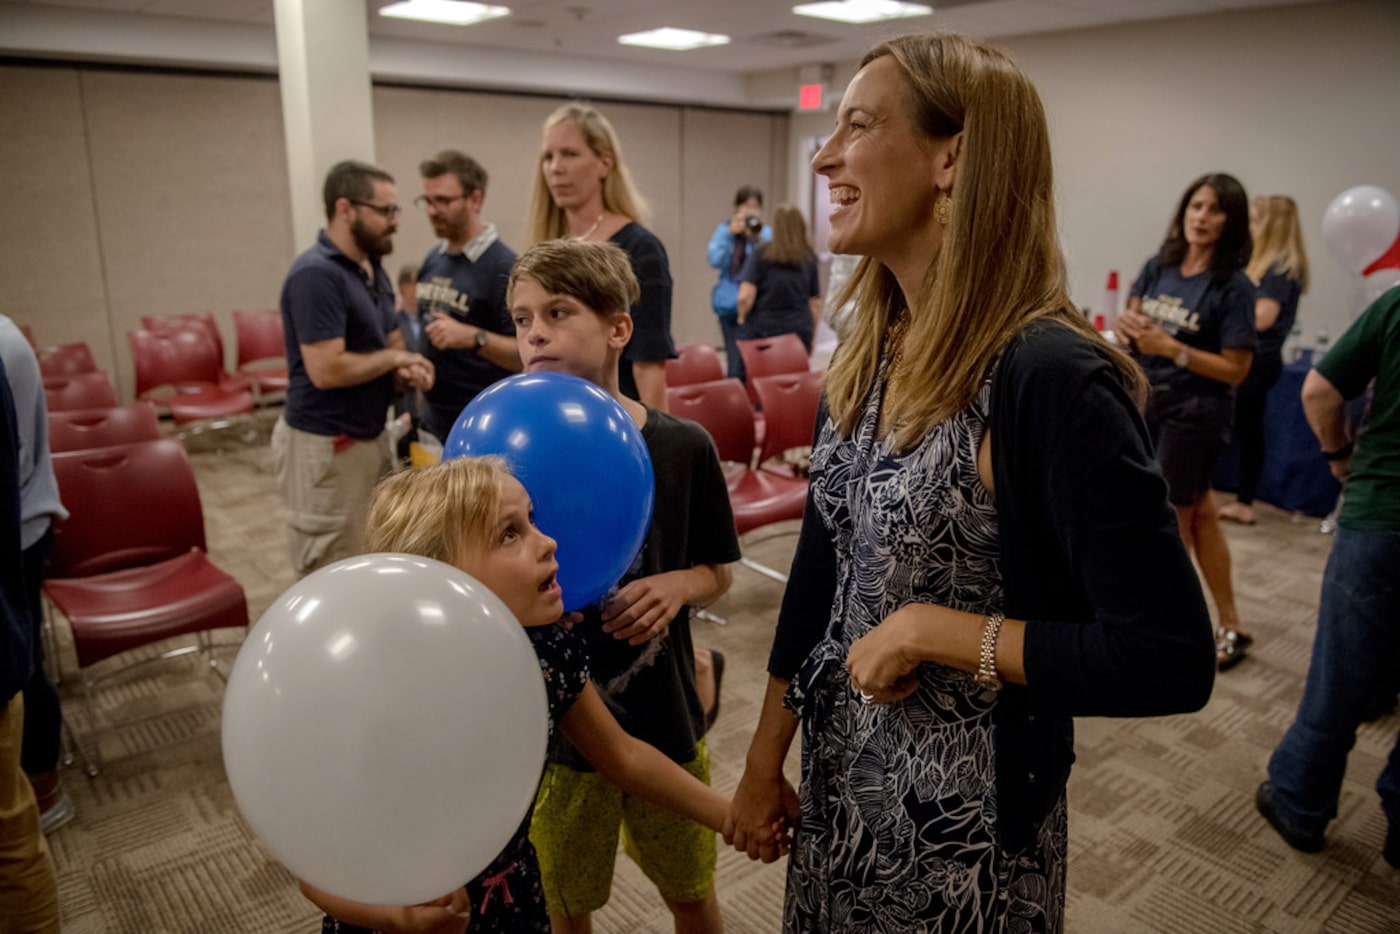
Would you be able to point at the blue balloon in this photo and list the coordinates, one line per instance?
(581, 458)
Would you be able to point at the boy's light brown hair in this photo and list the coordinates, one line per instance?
(436, 512)
(597, 274)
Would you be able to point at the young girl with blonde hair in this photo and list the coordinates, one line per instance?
(473, 514)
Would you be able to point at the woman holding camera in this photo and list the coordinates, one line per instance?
(729, 250)
(778, 288)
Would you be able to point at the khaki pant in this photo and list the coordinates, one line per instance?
(327, 492)
(28, 893)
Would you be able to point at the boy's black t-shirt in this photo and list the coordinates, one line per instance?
(1200, 313)
(650, 688)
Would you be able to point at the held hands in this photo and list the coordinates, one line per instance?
(881, 667)
(447, 333)
(414, 371)
(1147, 335)
(641, 611)
(762, 815)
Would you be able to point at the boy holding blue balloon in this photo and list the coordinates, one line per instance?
(569, 301)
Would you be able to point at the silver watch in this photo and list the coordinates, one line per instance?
(1182, 358)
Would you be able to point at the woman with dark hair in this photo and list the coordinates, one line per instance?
(987, 550)
(1279, 271)
(1190, 319)
(778, 288)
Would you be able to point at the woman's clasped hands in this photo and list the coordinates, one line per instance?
(882, 668)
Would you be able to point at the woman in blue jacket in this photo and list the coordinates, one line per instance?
(729, 250)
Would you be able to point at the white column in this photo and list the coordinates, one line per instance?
(323, 60)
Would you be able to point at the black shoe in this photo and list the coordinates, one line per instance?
(1302, 842)
(1392, 846)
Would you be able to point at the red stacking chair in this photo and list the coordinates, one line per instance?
(66, 360)
(179, 370)
(201, 321)
(790, 402)
(79, 391)
(766, 356)
(129, 567)
(262, 351)
(85, 429)
(758, 497)
(697, 363)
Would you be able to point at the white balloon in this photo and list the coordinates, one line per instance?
(384, 728)
(1377, 284)
(1360, 225)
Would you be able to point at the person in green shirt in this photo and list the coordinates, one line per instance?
(1356, 653)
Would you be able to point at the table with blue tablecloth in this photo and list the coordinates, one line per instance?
(1295, 476)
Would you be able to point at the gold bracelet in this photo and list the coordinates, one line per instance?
(987, 658)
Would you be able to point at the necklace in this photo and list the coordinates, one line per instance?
(589, 232)
(894, 343)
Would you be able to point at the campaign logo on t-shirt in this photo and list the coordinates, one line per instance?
(1172, 314)
(439, 294)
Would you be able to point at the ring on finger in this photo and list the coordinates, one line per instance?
(866, 698)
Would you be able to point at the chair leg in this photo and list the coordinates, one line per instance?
(91, 762)
(764, 569)
(709, 617)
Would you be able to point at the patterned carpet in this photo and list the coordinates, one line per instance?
(1163, 832)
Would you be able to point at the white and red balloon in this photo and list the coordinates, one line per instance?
(1362, 229)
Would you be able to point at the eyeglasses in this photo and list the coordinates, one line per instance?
(441, 202)
(386, 211)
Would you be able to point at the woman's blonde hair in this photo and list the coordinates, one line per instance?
(436, 512)
(620, 196)
(1000, 264)
(1278, 240)
(790, 245)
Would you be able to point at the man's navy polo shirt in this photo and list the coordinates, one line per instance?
(326, 296)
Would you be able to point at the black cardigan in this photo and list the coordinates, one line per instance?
(1090, 558)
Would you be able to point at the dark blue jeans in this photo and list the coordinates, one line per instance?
(1355, 659)
(733, 331)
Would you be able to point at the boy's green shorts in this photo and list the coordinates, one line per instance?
(575, 829)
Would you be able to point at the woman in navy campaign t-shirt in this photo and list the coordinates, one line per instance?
(1190, 321)
(1279, 269)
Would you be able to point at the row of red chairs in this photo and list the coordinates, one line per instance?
(762, 356)
(763, 490)
(178, 360)
(129, 566)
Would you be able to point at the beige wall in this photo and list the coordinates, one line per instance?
(135, 193)
(1302, 100)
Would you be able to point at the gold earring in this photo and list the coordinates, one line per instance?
(943, 210)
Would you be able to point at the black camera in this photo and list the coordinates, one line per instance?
(754, 223)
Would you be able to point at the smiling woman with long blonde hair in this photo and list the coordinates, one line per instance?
(987, 549)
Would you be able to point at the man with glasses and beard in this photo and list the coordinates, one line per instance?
(344, 359)
(468, 334)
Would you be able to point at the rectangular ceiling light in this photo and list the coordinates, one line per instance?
(862, 11)
(669, 37)
(453, 12)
